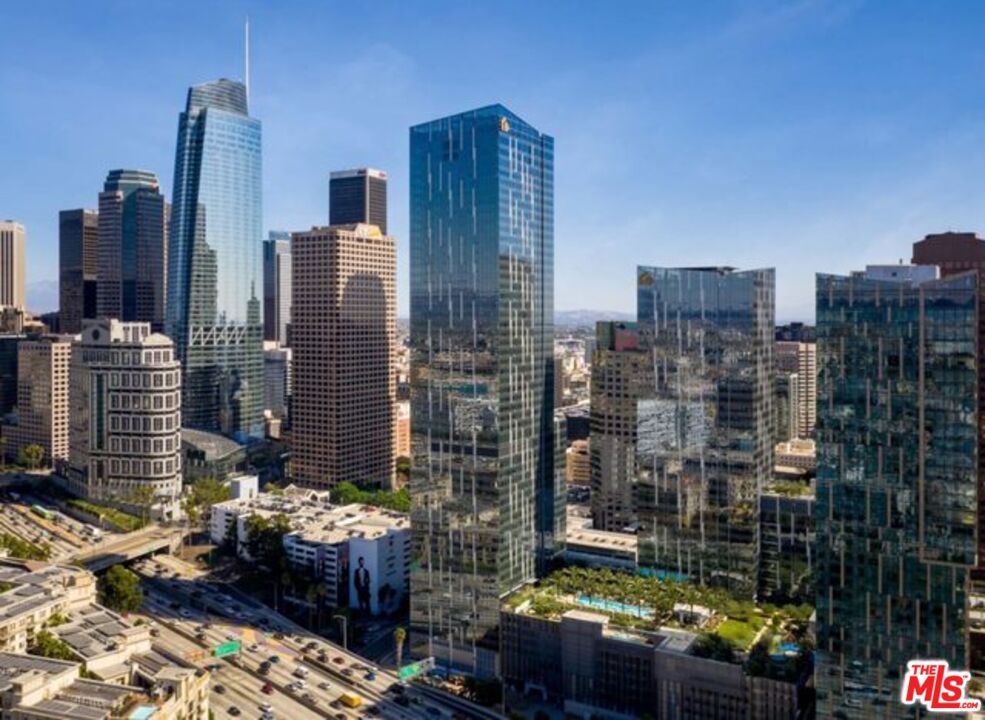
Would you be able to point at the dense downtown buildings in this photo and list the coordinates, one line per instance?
(42, 398)
(329, 541)
(276, 286)
(215, 284)
(358, 196)
(481, 326)
(125, 426)
(12, 249)
(897, 479)
(705, 440)
(800, 359)
(132, 249)
(78, 267)
(343, 382)
(622, 376)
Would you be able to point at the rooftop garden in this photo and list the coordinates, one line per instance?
(119, 519)
(789, 488)
(648, 603)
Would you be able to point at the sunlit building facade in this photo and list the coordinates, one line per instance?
(897, 476)
(215, 282)
(483, 431)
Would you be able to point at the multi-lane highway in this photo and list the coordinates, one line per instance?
(295, 665)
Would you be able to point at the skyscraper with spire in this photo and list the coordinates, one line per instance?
(214, 261)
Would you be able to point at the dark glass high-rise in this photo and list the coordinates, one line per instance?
(214, 312)
(897, 482)
(357, 196)
(132, 249)
(482, 486)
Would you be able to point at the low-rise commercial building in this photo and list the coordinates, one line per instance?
(591, 668)
(360, 552)
(33, 594)
(584, 545)
(578, 464)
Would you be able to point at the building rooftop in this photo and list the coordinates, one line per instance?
(315, 519)
(212, 444)
(34, 585)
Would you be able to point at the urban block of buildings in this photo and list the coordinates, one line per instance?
(331, 542)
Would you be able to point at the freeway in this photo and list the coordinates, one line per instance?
(124, 548)
(311, 670)
(231, 687)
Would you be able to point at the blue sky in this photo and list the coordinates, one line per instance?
(809, 136)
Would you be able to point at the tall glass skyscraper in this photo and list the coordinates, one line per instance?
(214, 281)
(481, 246)
(132, 249)
(276, 286)
(705, 442)
(897, 481)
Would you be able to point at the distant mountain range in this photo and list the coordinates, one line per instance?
(588, 318)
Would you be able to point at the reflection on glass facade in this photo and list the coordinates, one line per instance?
(896, 483)
(481, 245)
(214, 278)
(705, 445)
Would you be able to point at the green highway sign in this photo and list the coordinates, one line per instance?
(414, 669)
(229, 648)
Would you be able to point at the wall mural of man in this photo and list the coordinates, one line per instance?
(363, 587)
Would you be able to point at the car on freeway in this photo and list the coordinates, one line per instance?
(233, 710)
(213, 667)
(338, 660)
(432, 711)
(372, 710)
(310, 698)
(221, 689)
(370, 676)
(274, 659)
(322, 656)
(340, 716)
(347, 672)
(324, 686)
(311, 645)
(402, 700)
(265, 707)
(254, 647)
(267, 689)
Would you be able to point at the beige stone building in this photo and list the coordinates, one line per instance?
(801, 358)
(343, 333)
(578, 463)
(42, 398)
(12, 242)
(125, 416)
(34, 592)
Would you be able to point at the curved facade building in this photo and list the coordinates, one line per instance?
(214, 261)
(125, 415)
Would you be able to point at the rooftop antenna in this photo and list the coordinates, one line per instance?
(246, 57)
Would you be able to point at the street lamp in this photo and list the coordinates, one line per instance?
(345, 634)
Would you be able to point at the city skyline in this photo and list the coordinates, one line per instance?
(699, 143)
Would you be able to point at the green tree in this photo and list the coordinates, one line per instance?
(30, 456)
(714, 647)
(48, 645)
(119, 589)
(759, 663)
(143, 497)
(399, 638)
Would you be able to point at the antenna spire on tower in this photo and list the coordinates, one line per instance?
(246, 58)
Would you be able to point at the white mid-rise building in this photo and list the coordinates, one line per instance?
(360, 552)
(125, 422)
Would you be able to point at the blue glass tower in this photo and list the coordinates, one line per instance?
(897, 482)
(483, 480)
(214, 261)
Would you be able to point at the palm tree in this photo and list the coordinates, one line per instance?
(399, 636)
